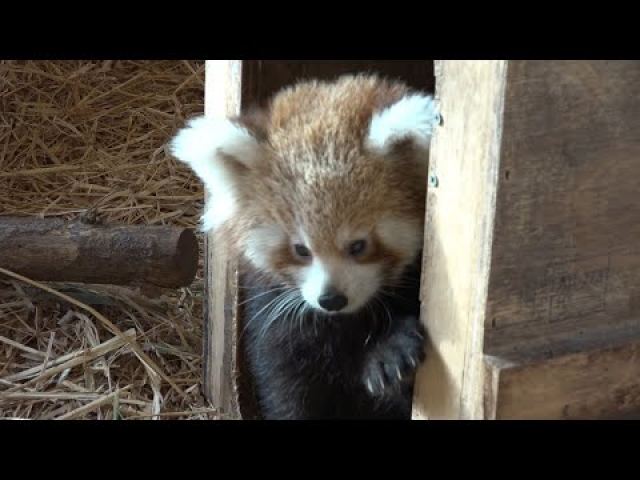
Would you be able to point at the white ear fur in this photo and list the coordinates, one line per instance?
(200, 145)
(413, 116)
(261, 243)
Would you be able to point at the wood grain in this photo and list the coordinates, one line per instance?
(52, 249)
(223, 81)
(600, 382)
(465, 154)
(566, 250)
(561, 312)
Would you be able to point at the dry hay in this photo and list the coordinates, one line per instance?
(76, 135)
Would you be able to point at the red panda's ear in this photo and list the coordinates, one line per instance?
(218, 150)
(205, 140)
(412, 118)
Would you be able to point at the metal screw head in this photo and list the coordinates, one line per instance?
(433, 181)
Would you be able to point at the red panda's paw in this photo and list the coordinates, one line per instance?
(393, 362)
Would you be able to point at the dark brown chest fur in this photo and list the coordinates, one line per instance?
(313, 366)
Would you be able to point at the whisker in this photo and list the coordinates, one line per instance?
(274, 300)
(315, 320)
(277, 310)
(300, 315)
(384, 305)
(372, 315)
(260, 295)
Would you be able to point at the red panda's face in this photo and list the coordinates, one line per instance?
(341, 272)
(339, 237)
(327, 194)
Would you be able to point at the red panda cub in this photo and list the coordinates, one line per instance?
(322, 195)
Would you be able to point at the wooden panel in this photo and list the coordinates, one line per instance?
(457, 245)
(557, 314)
(595, 383)
(222, 96)
(566, 250)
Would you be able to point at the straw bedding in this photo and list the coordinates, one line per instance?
(81, 135)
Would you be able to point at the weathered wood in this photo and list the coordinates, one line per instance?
(566, 252)
(52, 249)
(565, 274)
(223, 82)
(601, 382)
(457, 246)
(546, 290)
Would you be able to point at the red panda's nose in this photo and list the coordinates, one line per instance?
(332, 300)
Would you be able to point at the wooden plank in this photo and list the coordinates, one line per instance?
(458, 236)
(595, 383)
(222, 96)
(566, 252)
(557, 311)
(535, 340)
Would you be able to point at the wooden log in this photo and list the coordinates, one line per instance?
(52, 249)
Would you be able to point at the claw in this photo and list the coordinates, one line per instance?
(369, 386)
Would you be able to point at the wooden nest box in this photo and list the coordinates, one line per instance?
(531, 272)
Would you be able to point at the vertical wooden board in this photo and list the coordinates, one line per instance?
(566, 249)
(223, 81)
(458, 235)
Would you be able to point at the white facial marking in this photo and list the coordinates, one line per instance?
(262, 241)
(402, 235)
(357, 282)
(314, 283)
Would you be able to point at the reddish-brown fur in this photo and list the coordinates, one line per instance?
(315, 170)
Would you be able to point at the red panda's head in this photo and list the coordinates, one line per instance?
(324, 190)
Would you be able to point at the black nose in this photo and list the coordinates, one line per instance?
(332, 301)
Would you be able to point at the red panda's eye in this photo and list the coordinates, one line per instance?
(302, 251)
(357, 248)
